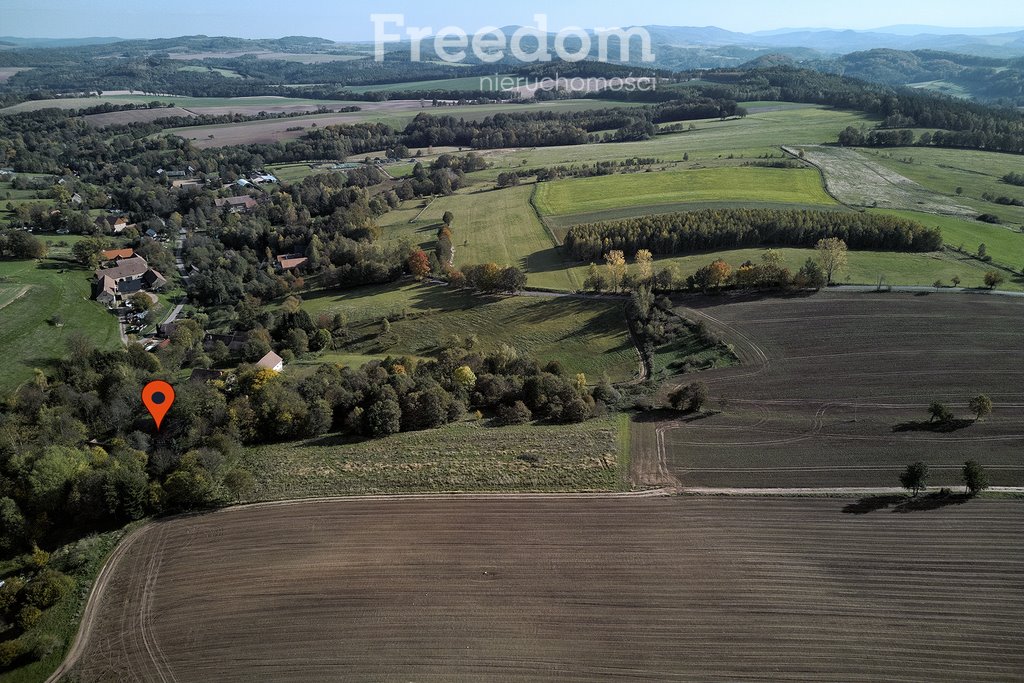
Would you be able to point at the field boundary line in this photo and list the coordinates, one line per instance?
(540, 216)
(422, 211)
(821, 175)
(91, 603)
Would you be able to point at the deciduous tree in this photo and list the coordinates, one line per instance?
(832, 254)
(915, 477)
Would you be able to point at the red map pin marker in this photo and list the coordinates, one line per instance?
(158, 397)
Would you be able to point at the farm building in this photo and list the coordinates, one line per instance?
(271, 361)
(128, 276)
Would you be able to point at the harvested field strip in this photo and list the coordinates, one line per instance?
(449, 589)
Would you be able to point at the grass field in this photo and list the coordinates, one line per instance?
(649, 190)
(944, 170)
(468, 456)
(713, 141)
(1004, 245)
(498, 226)
(584, 335)
(457, 589)
(8, 195)
(834, 390)
(30, 294)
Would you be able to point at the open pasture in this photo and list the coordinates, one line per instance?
(975, 173)
(584, 335)
(464, 589)
(712, 142)
(31, 294)
(650, 191)
(494, 225)
(1004, 244)
(834, 389)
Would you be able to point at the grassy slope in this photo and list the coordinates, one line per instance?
(865, 267)
(1004, 245)
(712, 141)
(801, 186)
(498, 226)
(27, 340)
(467, 456)
(585, 336)
(944, 170)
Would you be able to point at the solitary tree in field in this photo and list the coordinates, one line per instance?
(981, 406)
(616, 262)
(940, 412)
(993, 279)
(447, 218)
(915, 477)
(832, 254)
(982, 250)
(975, 477)
(956, 281)
(645, 265)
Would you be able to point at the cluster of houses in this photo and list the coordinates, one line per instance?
(124, 273)
(234, 342)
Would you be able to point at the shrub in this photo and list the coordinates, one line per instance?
(28, 617)
(10, 652)
(515, 414)
(47, 589)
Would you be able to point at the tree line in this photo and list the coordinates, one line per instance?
(715, 229)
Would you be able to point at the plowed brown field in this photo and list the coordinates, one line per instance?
(834, 390)
(563, 589)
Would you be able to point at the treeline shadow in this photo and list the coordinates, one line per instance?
(946, 427)
(903, 504)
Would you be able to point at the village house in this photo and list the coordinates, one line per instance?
(234, 342)
(291, 262)
(271, 361)
(237, 204)
(114, 224)
(128, 276)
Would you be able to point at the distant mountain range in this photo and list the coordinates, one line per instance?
(988, 42)
(1008, 42)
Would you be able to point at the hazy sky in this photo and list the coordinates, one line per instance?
(349, 20)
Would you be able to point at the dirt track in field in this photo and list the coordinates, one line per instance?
(451, 589)
(834, 389)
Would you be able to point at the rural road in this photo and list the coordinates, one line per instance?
(825, 491)
(896, 289)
